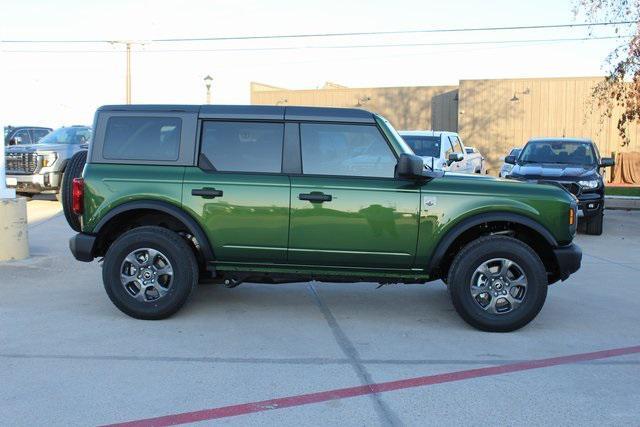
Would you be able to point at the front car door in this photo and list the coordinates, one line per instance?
(347, 209)
(238, 192)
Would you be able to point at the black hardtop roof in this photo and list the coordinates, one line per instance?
(264, 112)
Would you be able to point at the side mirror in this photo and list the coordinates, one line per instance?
(455, 157)
(510, 160)
(410, 166)
(606, 162)
(15, 140)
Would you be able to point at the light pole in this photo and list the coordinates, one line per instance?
(207, 82)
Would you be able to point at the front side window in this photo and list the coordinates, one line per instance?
(425, 146)
(22, 136)
(345, 150)
(243, 146)
(142, 138)
(456, 144)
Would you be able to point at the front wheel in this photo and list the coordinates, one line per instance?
(149, 272)
(497, 284)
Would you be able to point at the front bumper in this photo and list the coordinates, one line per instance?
(81, 246)
(36, 183)
(568, 258)
(590, 204)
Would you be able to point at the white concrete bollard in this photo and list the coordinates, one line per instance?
(14, 239)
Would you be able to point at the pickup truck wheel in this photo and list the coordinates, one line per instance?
(497, 284)
(594, 225)
(149, 272)
(73, 170)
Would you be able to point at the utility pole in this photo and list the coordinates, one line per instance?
(128, 95)
(207, 82)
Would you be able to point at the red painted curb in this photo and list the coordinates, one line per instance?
(323, 396)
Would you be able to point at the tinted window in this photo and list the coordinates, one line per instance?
(455, 142)
(427, 146)
(243, 146)
(38, 134)
(562, 152)
(71, 135)
(348, 150)
(142, 138)
(24, 136)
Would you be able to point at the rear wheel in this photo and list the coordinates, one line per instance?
(497, 284)
(149, 272)
(594, 224)
(73, 170)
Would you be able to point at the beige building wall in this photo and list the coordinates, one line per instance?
(407, 108)
(491, 115)
(496, 115)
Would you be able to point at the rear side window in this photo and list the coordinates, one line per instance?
(345, 150)
(243, 146)
(142, 138)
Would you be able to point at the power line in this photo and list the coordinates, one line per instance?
(345, 34)
(359, 46)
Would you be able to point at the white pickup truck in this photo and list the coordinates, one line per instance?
(444, 151)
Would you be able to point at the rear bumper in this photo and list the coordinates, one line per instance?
(569, 259)
(81, 246)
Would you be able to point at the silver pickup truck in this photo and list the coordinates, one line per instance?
(39, 168)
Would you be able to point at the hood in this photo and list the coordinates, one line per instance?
(562, 172)
(32, 148)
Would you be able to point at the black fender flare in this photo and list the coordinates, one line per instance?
(464, 225)
(165, 207)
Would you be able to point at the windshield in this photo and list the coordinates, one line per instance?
(563, 152)
(72, 135)
(424, 146)
(515, 152)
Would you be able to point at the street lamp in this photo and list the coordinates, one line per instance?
(207, 83)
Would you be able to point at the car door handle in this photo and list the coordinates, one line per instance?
(207, 193)
(315, 197)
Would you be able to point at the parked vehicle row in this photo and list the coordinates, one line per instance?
(444, 151)
(273, 194)
(40, 167)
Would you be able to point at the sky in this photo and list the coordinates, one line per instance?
(57, 84)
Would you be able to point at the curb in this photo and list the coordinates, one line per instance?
(622, 202)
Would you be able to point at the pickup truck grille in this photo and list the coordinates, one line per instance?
(573, 187)
(21, 163)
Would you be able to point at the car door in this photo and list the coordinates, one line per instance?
(347, 209)
(238, 192)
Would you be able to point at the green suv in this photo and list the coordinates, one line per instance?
(176, 194)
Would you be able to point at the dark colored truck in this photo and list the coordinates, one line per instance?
(174, 194)
(573, 163)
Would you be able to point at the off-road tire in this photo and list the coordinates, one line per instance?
(73, 170)
(594, 225)
(179, 254)
(484, 249)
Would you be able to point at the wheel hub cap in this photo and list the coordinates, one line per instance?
(498, 286)
(146, 274)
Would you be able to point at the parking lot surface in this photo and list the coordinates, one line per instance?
(69, 357)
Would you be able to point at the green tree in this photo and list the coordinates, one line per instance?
(620, 90)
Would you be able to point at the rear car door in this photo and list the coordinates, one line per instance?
(347, 209)
(238, 192)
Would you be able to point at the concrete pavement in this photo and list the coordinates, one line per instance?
(69, 357)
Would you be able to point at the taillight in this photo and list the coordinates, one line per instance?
(77, 196)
